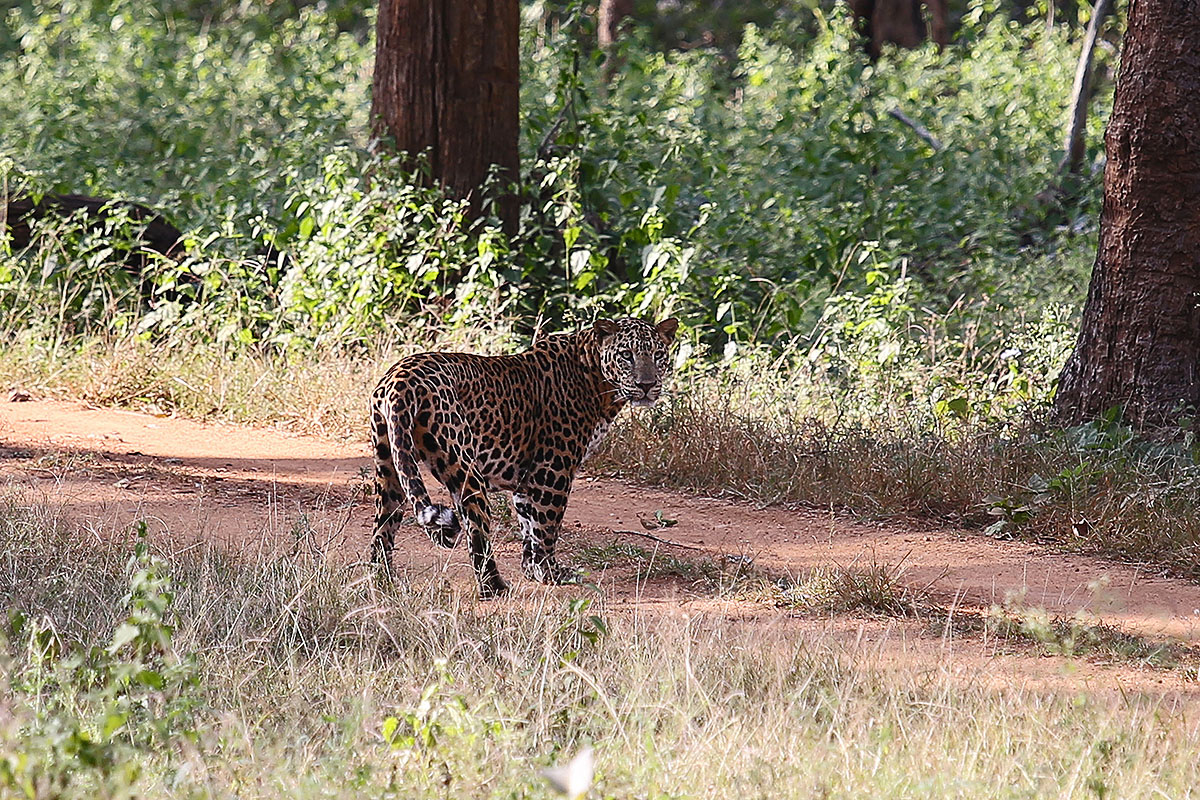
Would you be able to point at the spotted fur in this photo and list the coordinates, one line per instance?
(521, 423)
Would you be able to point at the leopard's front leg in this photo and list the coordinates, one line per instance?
(540, 510)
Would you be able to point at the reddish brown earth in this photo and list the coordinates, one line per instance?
(259, 491)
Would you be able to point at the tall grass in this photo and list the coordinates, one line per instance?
(287, 678)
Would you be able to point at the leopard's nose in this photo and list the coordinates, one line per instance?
(646, 386)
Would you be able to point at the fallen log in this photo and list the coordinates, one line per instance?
(21, 213)
(152, 233)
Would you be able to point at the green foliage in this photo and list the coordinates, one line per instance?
(737, 189)
(89, 716)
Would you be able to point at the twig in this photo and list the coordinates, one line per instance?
(658, 539)
(918, 128)
(543, 150)
(551, 135)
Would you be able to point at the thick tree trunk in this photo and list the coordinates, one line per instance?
(446, 84)
(1139, 342)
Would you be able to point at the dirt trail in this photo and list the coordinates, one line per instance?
(263, 491)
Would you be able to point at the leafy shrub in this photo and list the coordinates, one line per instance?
(738, 193)
(89, 717)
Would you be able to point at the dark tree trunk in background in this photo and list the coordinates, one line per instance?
(939, 22)
(1139, 341)
(608, 22)
(899, 22)
(447, 84)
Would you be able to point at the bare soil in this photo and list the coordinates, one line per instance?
(262, 492)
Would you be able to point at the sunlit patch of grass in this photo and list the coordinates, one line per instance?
(875, 589)
(323, 392)
(707, 574)
(1075, 637)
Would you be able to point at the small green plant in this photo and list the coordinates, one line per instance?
(440, 723)
(92, 713)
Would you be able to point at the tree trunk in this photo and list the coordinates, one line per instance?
(609, 18)
(1081, 92)
(1139, 342)
(939, 22)
(446, 84)
(897, 22)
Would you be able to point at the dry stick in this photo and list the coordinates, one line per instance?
(1074, 144)
(658, 539)
(918, 128)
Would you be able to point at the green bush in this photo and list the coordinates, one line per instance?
(742, 193)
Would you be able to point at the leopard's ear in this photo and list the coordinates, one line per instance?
(604, 327)
(667, 328)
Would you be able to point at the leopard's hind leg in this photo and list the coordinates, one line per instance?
(389, 494)
(469, 490)
(397, 477)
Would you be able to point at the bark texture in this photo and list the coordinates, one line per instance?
(899, 22)
(609, 17)
(446, 84)
(1139, 341)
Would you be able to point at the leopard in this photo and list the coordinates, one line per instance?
(521, 423)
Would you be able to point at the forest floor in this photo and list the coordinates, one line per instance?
(262, 492)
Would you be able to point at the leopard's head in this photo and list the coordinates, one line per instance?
(635, 356)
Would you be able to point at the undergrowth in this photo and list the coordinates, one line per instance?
(131, 670)
(740, 190)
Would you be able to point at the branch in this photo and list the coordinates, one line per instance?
(543, 150)
(658, 539)
(918, 128)
(1074, 145)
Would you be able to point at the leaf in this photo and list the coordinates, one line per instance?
(579, 260)
(570, 236)
(151, 678)
(125, 634)
(390, 725)
(113, 723)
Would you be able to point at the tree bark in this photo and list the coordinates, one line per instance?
(446, 85)
(939, 22)
(1139, 341)
(609, 18)
(1081, 92)
(898, 22)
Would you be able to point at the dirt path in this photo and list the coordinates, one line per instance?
(261, 491)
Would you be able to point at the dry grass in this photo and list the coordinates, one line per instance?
(1095, 488)
(323, 392)
(298, 668)
(1074, 637)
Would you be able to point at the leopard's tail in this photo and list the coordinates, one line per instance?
(397, 478)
